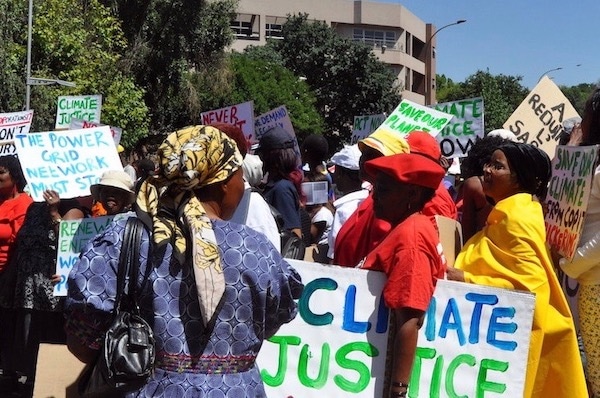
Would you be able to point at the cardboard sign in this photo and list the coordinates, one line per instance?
(12, 124)
(241, 115)
(457, 138)
(568, 196)
(336, 345)
(538, 120)
(474, 342)
(77, 124)
(68, 162)
(84, 107)
(363, 126)
(275, 117)
(409, 116)
(73, 235)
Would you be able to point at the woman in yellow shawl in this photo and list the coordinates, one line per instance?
(510, 252)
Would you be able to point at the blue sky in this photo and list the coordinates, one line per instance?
(511, 37)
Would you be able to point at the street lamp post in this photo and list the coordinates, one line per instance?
(36, 81)
(548, 71)
(428, 58)
(553, 70)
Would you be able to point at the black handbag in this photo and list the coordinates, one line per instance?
(126, 359)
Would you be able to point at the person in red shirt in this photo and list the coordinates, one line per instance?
(13, 206)
(409, 255)
(362, 232)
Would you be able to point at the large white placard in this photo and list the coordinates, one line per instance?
(457, 138)
(474, 343)
(240, 115)
(67, 161)
(336, 345)
(409, 116)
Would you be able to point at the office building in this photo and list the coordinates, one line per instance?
(398, 37)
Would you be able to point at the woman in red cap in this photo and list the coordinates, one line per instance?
(410, 254)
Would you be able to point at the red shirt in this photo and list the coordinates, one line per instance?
(362, 232)
(411, 258)
(12, 216)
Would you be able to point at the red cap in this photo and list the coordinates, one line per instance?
(408, 168)
(423, 143)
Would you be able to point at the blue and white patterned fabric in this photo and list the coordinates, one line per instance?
(192, 361)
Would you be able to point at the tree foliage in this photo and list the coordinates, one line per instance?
(578, 95)
(74, 41)
(501, 94)
(269, 85)
(175, 51)
(347, 78)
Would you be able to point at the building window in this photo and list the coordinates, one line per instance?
(273, 27)
(246, 27)
(375, 38)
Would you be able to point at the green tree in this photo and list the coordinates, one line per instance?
(346, 77)
(74, 41)
(270, 85)
(501, 94)
(13, 39)
(578, 95)
(175, 51)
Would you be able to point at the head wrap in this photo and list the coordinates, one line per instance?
(531, 165)
(386, 142)
(408, 168)
(191, 158)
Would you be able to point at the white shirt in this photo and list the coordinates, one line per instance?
(344, 207)
(261, 219)
(323, 214)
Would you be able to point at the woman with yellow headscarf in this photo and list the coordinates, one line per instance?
(510, 252)
(215, 290)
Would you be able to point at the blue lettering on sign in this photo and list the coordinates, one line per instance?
(349, 324)
(446, 324)
(451, 320)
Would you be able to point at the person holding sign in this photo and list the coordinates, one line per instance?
(215, 289)
(511, 252)
(409, 254)
(585, 266)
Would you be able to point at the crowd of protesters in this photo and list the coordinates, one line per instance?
(203, 193)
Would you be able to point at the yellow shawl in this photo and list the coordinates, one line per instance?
(510, 252)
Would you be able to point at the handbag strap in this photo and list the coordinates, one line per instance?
(129, 259)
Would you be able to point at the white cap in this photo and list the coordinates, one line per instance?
(503, 133)
(347, 157)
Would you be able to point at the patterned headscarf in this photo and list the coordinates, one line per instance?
(191, 158)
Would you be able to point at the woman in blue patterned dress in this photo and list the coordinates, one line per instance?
(215, 289)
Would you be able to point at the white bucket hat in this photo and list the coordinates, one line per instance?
(115, 179)
(348, 157)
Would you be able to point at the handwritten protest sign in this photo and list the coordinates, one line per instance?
(336, 345)
(275, 117)
(77, 124)
(474, 342)
(568, 196)
(365, 125)
(409, 116)
(73, 235)
(241, 115)
(538, 120)
(11, 124)
(68, 162)
(84, 107)
(474, 339)
(457, 138)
